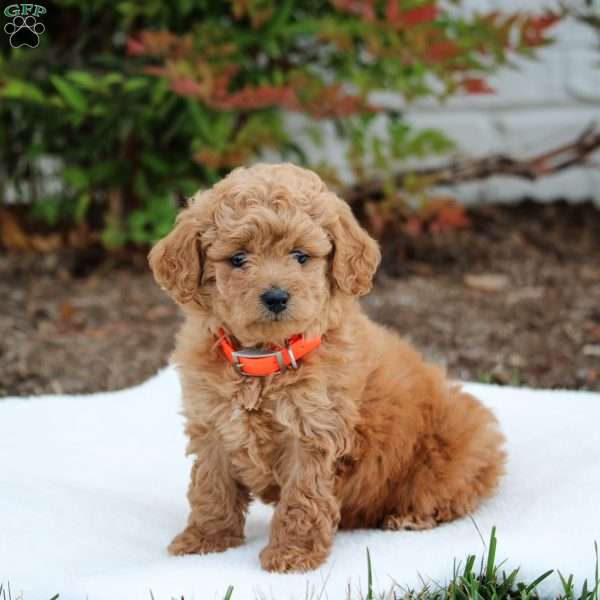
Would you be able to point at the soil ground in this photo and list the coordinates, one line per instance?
(514, 299)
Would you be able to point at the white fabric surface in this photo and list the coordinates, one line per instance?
(92, 489)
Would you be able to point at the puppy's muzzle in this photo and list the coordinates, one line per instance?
(275, 299)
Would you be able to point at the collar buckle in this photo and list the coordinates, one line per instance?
(253, 353)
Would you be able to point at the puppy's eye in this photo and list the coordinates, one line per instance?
(300, 256)
(237, 260)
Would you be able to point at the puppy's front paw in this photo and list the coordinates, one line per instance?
(192, 541)
(284, 560)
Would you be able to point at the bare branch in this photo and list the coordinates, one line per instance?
(548, 163)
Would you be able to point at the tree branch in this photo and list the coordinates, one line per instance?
(548, 163)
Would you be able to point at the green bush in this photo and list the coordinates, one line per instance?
(127, 107)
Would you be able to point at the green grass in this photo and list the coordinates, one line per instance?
(488, 582)
(7, 594)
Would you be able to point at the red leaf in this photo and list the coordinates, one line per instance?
(135, 47)
(184, 86)
(416, 16)
(392, 11)
(443, 50)
(475, 85)
(534, 29)
(414, 226)
(156, 71)
(361, 8)
(450, 217)
(444, 214)
(545, 21)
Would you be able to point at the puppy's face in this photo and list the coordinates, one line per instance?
(267, 272)
(265, 253)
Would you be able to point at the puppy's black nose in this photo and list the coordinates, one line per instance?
(275, 299)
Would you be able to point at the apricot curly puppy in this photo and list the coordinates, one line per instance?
(291, 394)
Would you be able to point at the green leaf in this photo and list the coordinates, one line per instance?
(47, 210)
(135, 83)
(199, 118)
(83, 79)
(21, 90)
(112, 78)
(104, 171)
(155, 164)
(76, 177)
(81, 207)
(187, 187)
(69, 93)
(283, 14)
(113, 236)
(222, 129)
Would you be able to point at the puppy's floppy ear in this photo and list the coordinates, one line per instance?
(175, 260)
(356, 254)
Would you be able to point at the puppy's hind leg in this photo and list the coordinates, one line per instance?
(218, 503)
(408, 522)
(457, 463)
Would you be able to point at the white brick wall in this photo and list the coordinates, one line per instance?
(538, 106)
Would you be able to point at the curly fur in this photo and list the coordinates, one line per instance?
(363, 434)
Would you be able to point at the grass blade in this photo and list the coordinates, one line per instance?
(489, 571)
(596, 575)
(369, 577)
(469, 566)
(539, 580)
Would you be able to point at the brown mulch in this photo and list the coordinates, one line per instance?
(515, 299)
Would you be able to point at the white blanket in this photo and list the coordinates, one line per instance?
(92, 489)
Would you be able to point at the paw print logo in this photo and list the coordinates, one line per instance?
(24, 31)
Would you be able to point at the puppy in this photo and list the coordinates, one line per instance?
(291, 394)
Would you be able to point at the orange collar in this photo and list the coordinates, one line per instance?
(260, 363)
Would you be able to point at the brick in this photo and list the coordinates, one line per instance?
(525, 5)
(534, 129)
(575, 34)
(574, 185)
(583, 74)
